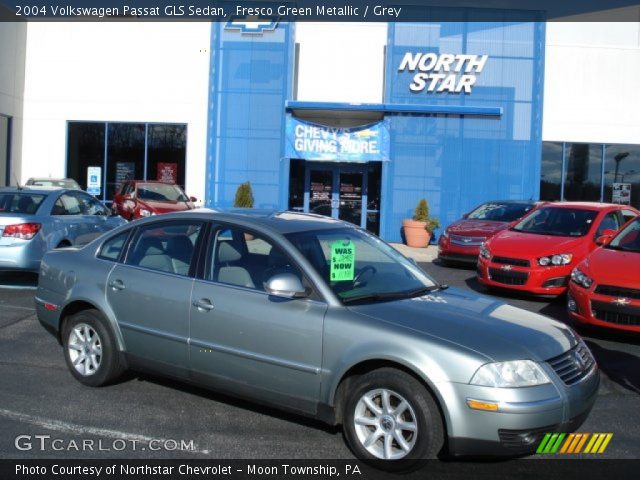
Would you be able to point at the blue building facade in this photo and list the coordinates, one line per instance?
(462, 117)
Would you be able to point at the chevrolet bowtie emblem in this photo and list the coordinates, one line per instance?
(466, 240)
(622, 301)
(506, 267)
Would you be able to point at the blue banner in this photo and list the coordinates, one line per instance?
(310, 141)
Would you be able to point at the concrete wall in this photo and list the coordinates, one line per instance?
(591, 89)
(128, 71)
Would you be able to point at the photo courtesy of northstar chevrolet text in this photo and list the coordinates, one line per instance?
(319, 239)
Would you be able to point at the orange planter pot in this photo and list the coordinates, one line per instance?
(415, 234)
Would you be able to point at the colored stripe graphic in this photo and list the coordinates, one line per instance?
(573, 443)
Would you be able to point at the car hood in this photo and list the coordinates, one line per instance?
(614, 267)
(167, 207)
(519, 243)
(485, 325)
(476, 228)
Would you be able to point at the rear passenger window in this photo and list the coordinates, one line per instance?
(165, 247)
(112, 248)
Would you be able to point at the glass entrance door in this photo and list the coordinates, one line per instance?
(337, 191)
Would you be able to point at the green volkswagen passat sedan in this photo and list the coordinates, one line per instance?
(319, 317)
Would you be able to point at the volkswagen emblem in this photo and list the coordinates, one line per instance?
(622, 301)
(578, 361)
(506, 267)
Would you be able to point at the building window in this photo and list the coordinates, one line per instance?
(590, 172)
(551, 174)
(126, 151)
(583, 172)
(622, 171)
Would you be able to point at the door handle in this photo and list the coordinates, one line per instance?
(117, 285)
(204, 305)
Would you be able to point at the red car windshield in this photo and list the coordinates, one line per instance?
(500, 212)
(629, 239)
(562, 222)
(160, 192)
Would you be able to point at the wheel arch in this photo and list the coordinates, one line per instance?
(80, 305)
(368, 365)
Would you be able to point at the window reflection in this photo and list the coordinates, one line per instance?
(583, 172)
(167, 146)
(551, 173)
(125, 155)
(85, 148)
(622, 167)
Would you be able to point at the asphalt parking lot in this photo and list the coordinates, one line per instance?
(144, 417)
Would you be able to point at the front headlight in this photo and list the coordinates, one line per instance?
(580, 278)
(556, 260)
(484, 251)
(517, 373)
(445, 234)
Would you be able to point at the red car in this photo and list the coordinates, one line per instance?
(538, 254)
(143, 198)
(461, 241)
(605, 287)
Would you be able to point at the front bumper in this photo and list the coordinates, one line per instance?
(524, 417)
(618, 317)
(451, 252)
(532, 279)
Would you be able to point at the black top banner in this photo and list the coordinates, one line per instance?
(315, 11)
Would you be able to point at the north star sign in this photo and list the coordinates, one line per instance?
(444, 72)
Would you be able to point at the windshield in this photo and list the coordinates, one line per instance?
(161, 192)
(500, 212)
(22, 203)
(359, 267)
(563, 222)
(628, 239)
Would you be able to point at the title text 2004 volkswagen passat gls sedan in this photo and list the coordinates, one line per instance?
(317, 316)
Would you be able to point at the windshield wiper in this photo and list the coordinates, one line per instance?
(391, 295)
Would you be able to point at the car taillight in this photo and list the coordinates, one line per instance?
(23, 231)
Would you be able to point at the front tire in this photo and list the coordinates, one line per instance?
(90, 349)
(392, 420)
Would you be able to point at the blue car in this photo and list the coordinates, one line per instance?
(36, 220)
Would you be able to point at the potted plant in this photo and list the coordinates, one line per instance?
(418, 231)
(244, 196)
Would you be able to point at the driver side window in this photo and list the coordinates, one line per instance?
(245, 260)
(609, 222)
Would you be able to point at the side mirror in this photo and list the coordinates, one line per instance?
(606, 237)
(285, 285)
(193, 199)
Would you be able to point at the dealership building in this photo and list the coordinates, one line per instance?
(354, 120)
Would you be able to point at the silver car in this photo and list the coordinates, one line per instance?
(36, 220)
(319, 317)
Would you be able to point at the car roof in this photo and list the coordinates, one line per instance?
(586, 205)
(47, 179)
(32, 189)
(277, 220)
(516, 202)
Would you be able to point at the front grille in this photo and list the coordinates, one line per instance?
(467, 241)
(618, 314)
(519, 262)
(574, 365)
(508, 277)
(523, 439)
(618, 291)
(459, 257)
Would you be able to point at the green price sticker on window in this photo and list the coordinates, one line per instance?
(343, 260)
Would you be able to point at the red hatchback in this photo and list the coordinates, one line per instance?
(605, 288)
(142, 198)
(461, 241)
(539, 252)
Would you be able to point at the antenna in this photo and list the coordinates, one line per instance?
(15, 179)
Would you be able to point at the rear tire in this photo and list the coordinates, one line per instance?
(392, 420)
(90, 349)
